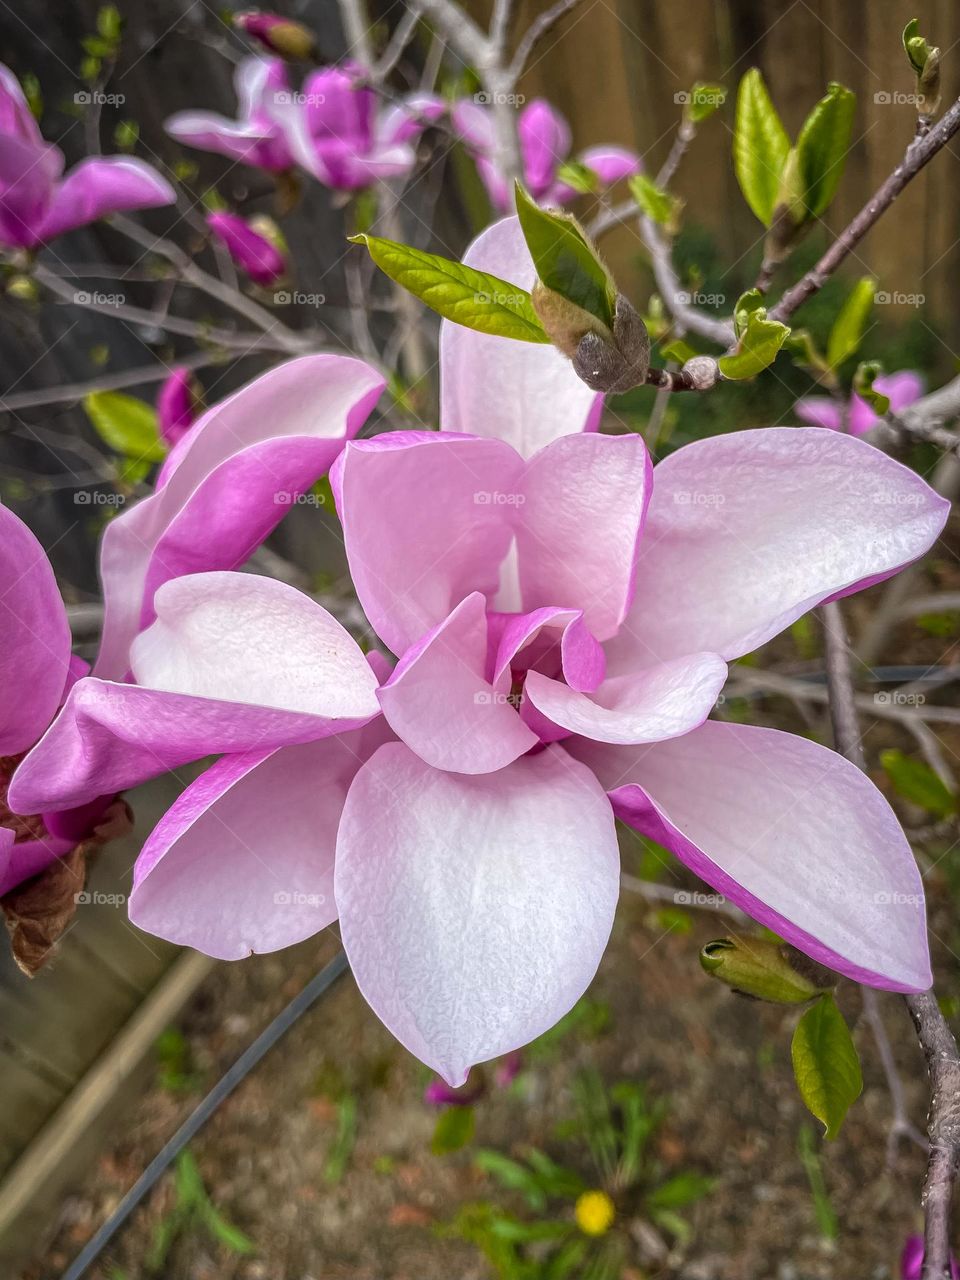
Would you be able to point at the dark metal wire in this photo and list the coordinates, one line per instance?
(311, 993)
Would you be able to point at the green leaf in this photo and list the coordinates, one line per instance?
(703, 100)
(514, 1176)
(566, 261)
(743, 309)
(345, 1140)
(804, 351)
(127, 425)
(678, 350)
(579, 176)
(826, 1064)
(915, 46)
(191, 1193)
(850, 325)
(109, 22)
(656, 203)
(917, 782)
(471, 298)
(760, 146)
(822, 147)
(759, 343)
(227, 1234)
(455, 1127)
(681, 1190)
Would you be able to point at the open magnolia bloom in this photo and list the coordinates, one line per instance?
(38, 201)
(544, 138)
(336, 130)
(227, 483)
(254, 137)
(562, 616)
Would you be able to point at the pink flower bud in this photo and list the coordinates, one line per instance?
(252, 252)
(911, 1260)
(178, 402)
(279, 35)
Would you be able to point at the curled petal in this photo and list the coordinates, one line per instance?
(34, 638)
(243, 861)
(748, 531)
(227, 483)
(438, 702)
(551, 640)
(659, 702)
(522, 392)
(474, 910)
(239, 637)
(789, 831)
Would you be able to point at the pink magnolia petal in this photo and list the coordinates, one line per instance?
(243, 861)
(901, 388)
(552, 640)
(544, 144)
(408, 118)
(208, 131)
(521, 392)
(27, 858)
(16, 118)
(585, 500)
(860, 416)
(474, 910)
(660, 702)
(101, 185)
(611, 164)
(338, 106)
(438, 702)
(34, 638)
(748, 531)
(789, 831)
(239, 637)
(422, 525)
(28, 176)
(228, 483)
(474, 123)
(252, 252)
(109, 737)
(820, 411)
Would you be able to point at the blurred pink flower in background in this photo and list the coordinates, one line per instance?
(254, 137)
(338, 131)
(38, 201)
(544, 147)
(911, 1260)
(901, 389)
(252, 252)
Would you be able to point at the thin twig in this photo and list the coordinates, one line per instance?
(535, 33)
(919, 152)
(71, 392)
(901, 1125)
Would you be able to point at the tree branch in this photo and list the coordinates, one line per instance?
(920, 151)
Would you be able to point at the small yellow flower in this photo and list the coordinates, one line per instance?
(594, 1213)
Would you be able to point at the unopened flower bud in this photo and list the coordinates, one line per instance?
(765, 970)
(621, 362)
(703, 372)
(250, 250)
(928, 85)
(279, 35)
(178, 404)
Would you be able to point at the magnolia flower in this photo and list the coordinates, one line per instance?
(337, 131)
(278, 35)
(177, 402)
(901, 388)
(562, 616)
(254, 137)
(35, 671)
(38, 201)
(252, 252)
(544, 146)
